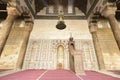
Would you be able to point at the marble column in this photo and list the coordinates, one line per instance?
(109, 13)
(7, 24)
(93, 30)
(27, 31)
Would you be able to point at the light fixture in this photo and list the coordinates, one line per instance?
(61, 25)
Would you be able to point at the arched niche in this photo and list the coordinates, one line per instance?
(60, 57)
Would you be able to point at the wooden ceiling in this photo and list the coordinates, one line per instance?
(118, 9)
(3, 11)
(40, 4)
(81, 4)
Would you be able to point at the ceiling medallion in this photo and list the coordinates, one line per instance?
(61, 24)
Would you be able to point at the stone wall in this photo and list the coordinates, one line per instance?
(42, 54)
(110, 50)
(1, 31)
(45, 38)
(78, 29)
(11, 51)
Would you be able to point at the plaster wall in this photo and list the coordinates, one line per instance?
(77, 28)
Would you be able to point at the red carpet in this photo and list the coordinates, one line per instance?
(92, 75)
(23, 75)
(115, 71)
(59, 75)
(34, 74)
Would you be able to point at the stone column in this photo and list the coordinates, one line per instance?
(7, 24)
(93, 29)
(109, 13)
(27, 31)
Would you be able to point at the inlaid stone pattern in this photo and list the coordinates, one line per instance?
(88, 53)
(64, 43)
(36, 55)
(42, 54)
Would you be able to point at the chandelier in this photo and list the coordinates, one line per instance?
(60, 24)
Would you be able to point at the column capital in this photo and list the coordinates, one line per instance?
(93, 27)
(12, 11)
(29, 20)
(14, 8)
(28, 26)
(109, 9)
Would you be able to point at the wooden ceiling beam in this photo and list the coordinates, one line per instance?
(70, 2)
(45, 3)
(56, 2)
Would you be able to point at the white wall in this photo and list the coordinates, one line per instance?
(46, 29)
